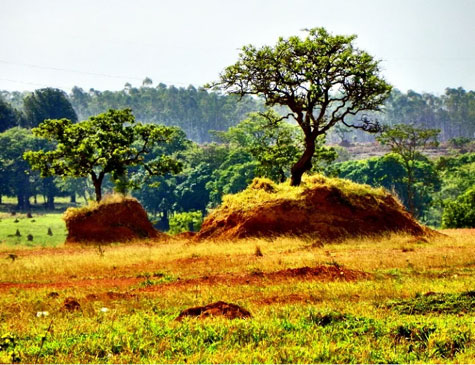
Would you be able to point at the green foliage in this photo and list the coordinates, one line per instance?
(185, 221)
(273, 143)
(9, 117)
(436, 303)
(196, 111)
(460, 213)
(302, 74)
(388, 171)
(406, 141)
(47, 103)
(108, 143)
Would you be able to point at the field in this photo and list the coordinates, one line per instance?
(408, 300)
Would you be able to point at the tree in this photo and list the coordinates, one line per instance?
(9, 117)
(322, 79)
(406, 141)
(48, 103)
(15, 172)
(108, 143)
(460, 213)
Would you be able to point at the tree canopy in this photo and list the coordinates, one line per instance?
(47, 103)
(322, 79)
(108, 143)
(406, 141)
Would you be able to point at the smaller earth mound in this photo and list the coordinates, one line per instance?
(322, 272)
(114, 219)
(325, 208)
(227, 310)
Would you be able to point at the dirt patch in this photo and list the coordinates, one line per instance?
(71, 304)
(120, 221)
(227, 310)
(321, 210)
(83, 283)
(323, 272)
(110, 295)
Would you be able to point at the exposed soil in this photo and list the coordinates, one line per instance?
(322, 273)
(227, 310)
(71, 304)
(113, 222)
(324, 212)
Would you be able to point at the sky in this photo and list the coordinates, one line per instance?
(423, 45)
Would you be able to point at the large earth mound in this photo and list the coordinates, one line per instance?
(328, 209)
(114, 219)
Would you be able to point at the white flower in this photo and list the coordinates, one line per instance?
(104, 309)
(42, 314)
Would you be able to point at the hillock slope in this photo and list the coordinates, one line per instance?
(324, 208)
(114, 219)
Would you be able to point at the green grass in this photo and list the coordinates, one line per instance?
(294, 320)
(36, 226)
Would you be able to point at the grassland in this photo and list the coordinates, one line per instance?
(417, 306)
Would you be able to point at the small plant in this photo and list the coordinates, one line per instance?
(258, 251)
(50, 232)
(436, 303)
(29, 237)
(17, 233)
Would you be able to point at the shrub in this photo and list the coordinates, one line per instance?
(460, 213)
(185, 221)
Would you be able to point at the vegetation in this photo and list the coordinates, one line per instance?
(406, 141)
(321, 79)
(130, 296)
(460, 213)
(105, 144)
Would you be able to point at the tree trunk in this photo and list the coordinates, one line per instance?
(97, 181)
(73, 197)
(304, 163)
(50, 202)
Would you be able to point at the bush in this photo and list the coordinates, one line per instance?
(460, 213)
(186, 221)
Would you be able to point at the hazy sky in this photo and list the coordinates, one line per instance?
(423, 45)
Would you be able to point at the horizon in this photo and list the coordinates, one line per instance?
(423, 45)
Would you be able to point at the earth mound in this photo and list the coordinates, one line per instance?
(326, 208)
(228, 310)
(114, 219)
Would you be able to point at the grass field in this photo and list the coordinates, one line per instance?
(14, 230)
(416, 303)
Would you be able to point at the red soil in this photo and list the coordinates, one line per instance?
(112, 222)
(322, 211)
(227, 310)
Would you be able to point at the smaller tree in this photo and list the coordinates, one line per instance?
(47, 103)
(460, 213)
(406, 141)
(108, 143)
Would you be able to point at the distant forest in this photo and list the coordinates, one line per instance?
(197, 111)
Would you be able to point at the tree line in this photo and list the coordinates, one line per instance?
(320, 83)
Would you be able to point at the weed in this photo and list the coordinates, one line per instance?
(258, 252)
(436, 303)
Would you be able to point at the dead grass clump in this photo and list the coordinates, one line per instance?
(326, 208)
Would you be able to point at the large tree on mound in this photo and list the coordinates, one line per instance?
(323, 79)
(108, 143)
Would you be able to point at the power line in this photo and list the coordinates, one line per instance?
(69, 70)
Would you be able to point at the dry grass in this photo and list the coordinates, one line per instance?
(264, 190)
(93, 205)
(159, 280)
